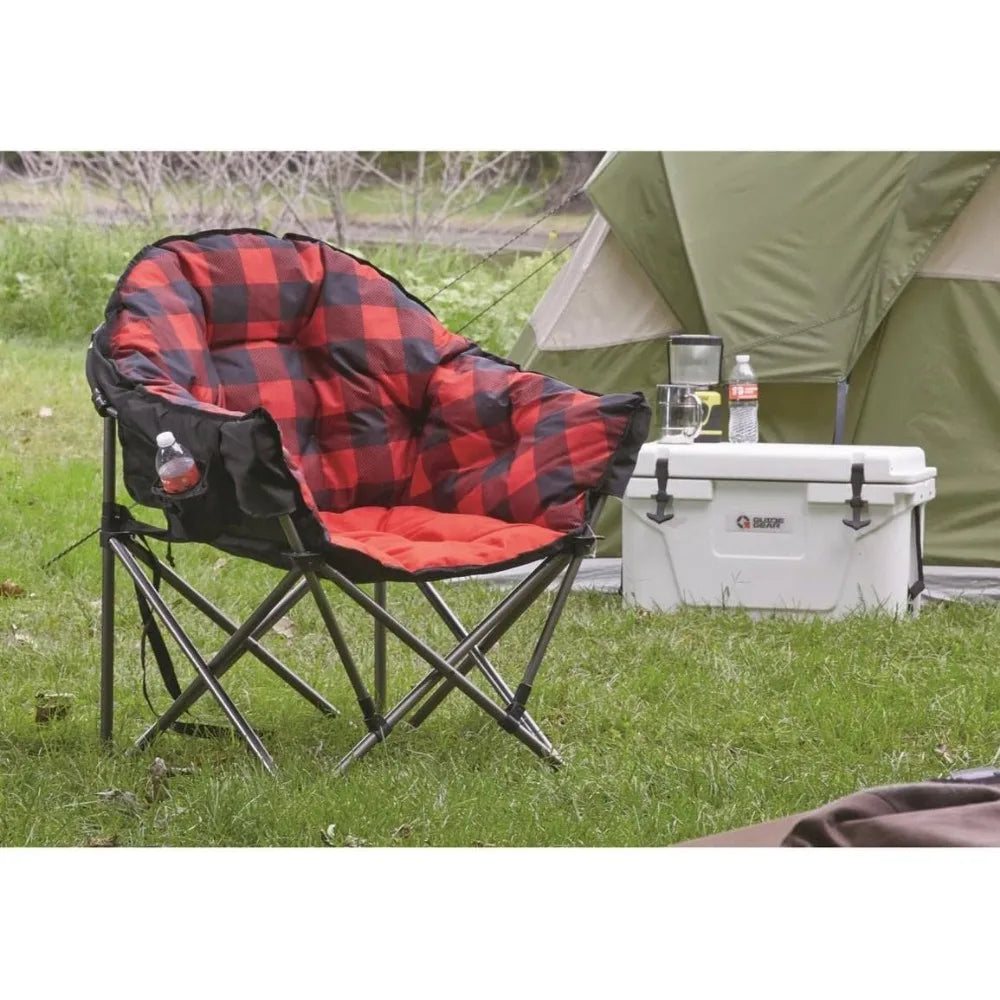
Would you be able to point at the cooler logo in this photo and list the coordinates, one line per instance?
(742, 392)
(759, 522)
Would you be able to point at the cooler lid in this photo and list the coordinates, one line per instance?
(829, 463)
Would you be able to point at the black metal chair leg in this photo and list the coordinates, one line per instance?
(370, 713)
(488, 670)
(202, 668)
(571, 565)
(107, 645)
(522, 597)
(380, 664)
(443, 666)
(219, 618)
(108, 586)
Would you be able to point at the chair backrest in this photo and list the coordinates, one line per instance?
(377, 403)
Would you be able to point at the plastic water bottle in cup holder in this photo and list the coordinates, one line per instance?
(175, 465)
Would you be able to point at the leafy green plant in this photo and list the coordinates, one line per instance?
(55, 278)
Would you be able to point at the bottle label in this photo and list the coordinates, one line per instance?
(743, 392)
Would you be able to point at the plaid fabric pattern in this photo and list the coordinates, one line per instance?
(377, 403)
(515, 445)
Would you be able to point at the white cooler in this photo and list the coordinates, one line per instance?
(762, 527)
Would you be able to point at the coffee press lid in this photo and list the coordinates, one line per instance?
(696, 339)
(695, 359)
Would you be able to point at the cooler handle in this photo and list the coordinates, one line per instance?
(918, 586)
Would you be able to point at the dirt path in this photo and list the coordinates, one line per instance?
(542, 237)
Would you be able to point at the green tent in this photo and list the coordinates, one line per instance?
(865, 282)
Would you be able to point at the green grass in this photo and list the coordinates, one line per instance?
(55, 279)
(672, 726)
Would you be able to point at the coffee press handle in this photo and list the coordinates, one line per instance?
(706, 412)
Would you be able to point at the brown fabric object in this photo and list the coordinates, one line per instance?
(767, 834)
(925, 814)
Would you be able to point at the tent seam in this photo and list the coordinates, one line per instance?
(806, 329)
(942, 230)
(887, 230)
(686, 248)
(882, 319)
(959, 276)
(853, 309)
(968, 190)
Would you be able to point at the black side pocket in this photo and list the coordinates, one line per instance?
(200, 513)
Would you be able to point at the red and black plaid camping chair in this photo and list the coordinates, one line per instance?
(344, 436)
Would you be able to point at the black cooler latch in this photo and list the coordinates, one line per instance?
(858, 505)
(661, 496)
(918, 586)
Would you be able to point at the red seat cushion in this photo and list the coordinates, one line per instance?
(414, 538)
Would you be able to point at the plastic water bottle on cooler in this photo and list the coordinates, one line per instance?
(743, 402)
(174, 464)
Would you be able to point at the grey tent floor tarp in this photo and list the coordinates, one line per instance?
(944, 583)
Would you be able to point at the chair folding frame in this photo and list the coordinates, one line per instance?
(123, 543)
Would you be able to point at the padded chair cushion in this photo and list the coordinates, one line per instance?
(414, 538)
(379, 407)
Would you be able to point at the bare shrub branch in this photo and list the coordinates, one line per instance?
(426, 195)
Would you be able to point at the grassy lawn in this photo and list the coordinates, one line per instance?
(672, 726)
